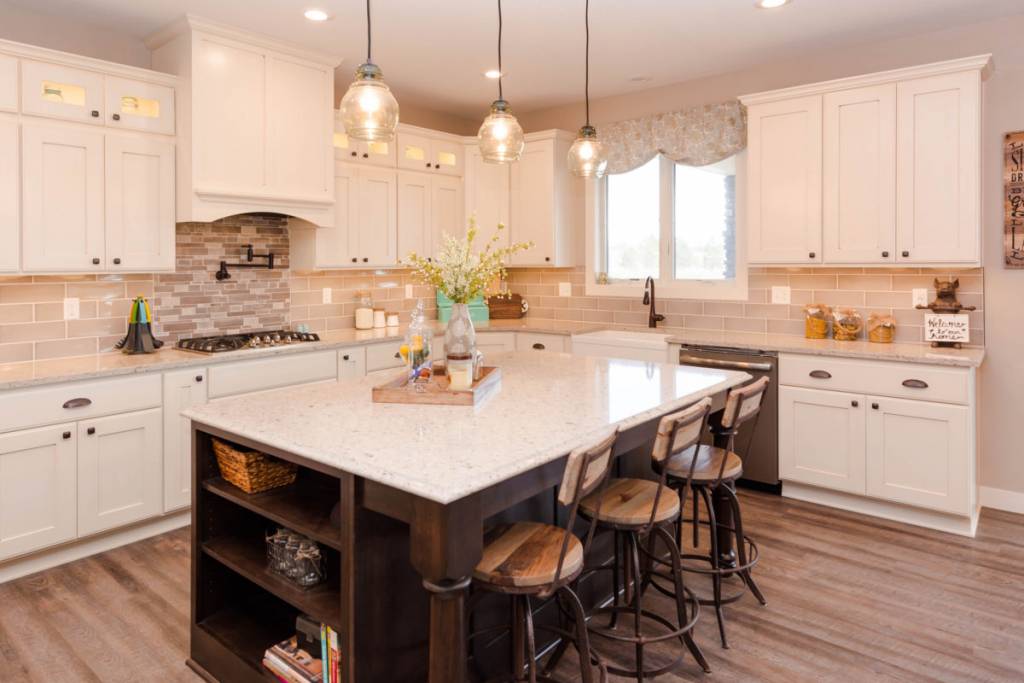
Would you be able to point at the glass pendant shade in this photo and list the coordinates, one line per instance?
(368, 110)
(501, 136)
(587, 157)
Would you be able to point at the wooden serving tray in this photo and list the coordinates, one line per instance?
(436, 392)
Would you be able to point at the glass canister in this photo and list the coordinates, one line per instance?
(816, 319)
(881, 328)
(460, 348)
(419, 339)
(364, 310)
(847, 324)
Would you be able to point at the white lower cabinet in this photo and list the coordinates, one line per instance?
(495, 342)
(10, 201)
(37, 488)
(527, 341)
(918, 454)
(821, 438)
(120, 469)
(351, 363)
(182, 390)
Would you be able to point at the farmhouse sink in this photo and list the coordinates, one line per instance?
(646, 346)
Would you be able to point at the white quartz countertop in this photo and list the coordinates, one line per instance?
(548, 404)
(34, 373)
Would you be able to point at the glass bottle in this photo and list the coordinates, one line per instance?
(418, 341)
(460, 348)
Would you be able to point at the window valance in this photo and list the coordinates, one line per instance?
(695, 136)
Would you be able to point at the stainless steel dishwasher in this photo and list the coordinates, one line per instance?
(757, 443)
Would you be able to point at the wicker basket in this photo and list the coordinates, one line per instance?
(507, 307)
(252, 471)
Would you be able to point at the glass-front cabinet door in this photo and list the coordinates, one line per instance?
(139, 106)
(61, 92)
(447, 156)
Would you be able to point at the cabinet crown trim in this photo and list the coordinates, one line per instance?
(980, 63)
(100, 66)
(191, 22)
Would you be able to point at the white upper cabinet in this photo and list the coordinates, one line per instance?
(10, 191)
(435, 153)
(63, 199)
(414, 214)
(8, 83)
(939, 161)
(378, 153)
(136, 105)
(139, 204)
(446, 206)
(487, 195)
(784, 181)
(878, 169)
(62, 92)
(546, 203)
(257, 129)
(329, 247)
(374, 240)
(860, 175)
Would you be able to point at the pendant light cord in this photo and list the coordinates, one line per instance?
(369, 34)
(501, 95)
(586, 68)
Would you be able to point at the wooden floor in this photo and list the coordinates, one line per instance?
(850, 599)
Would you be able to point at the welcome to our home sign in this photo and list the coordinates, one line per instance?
(947, 329)
(1013, 182)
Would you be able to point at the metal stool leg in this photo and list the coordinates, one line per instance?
(677, 577)
(716, 576)
(741, 546)
(531, 643)
(634, 548)
(616, 567)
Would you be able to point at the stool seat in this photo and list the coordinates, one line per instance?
(709, 463)
(628, 502)
(525, 555)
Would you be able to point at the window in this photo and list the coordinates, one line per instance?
(675, 223)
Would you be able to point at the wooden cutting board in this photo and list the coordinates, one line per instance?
(436, 391)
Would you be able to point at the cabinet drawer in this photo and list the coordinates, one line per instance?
(61, 92)
(900, 380)
(77, 401)
(529, 341)
(272, 373)
(495, 342)
(383, 356)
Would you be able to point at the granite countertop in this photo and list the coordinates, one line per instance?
(35, 373)
(548, 404)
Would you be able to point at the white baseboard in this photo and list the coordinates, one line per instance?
(76, 550)
(953, 524)
(1001, 499)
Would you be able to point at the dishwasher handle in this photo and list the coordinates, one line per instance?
(724, 364)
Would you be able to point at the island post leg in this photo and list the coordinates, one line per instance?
(446, 545)
(723, 514)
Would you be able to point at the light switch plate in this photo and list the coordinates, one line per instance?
(326, 294)
(920, 297)
(408, 292)
(781, 295)
(72, 309)
(564, 289)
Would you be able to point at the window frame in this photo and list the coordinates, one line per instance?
(596, 217)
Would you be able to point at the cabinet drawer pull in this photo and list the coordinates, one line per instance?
(66, 435)
(539, 346)
(915, 384)
(90, 431)
(821, 374)
(78, 403)
(874, 406)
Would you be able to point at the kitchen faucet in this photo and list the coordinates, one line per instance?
(653, 317)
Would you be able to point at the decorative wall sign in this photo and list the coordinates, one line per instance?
(1013, 183)
(947, 329)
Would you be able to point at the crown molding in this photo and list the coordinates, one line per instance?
(981, 63)
(43, 54)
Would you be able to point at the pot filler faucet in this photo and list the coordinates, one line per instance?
(653, 317)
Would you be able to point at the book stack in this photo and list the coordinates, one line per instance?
(292, 664)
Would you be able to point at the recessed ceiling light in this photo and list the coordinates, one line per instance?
(316, 15)
(493, 73)
(771, 4)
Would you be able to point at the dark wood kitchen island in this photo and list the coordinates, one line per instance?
(414, 488)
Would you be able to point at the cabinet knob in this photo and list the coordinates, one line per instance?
(66, 435)
(811, 255)
(428, 164)
(116, 117)
(874, 406)
(547, 258)
(95, 113)
(117, 261)
(199, 378)
(366, 155)
(365, 259)
(355, 154)
(95, 261)
(885, 254)
(90, 431)
(437, 165)
(355, 260)
(855, 404)
(906, 254)
(397, 354)
(345, 357)
(539, 346)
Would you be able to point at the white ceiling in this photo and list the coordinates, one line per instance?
(433, 52)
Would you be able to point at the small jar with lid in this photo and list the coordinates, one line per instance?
(364, 310)
(379, 318)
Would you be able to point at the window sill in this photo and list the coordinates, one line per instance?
(732, 290)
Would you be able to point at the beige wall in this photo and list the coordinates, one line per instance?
(1002, 376)
(58, 33)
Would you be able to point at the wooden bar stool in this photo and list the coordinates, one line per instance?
(530, 559)
(710, 471)
(635, 508)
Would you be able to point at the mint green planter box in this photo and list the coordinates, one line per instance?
(478, 311)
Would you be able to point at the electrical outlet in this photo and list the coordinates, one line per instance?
(408, 292)
(326, 294)
(781, 295)
(920, 297)
(564, 289)
(72, 309)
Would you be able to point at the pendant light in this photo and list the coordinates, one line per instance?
(368, 110)
(587, 157)
(500, 136)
